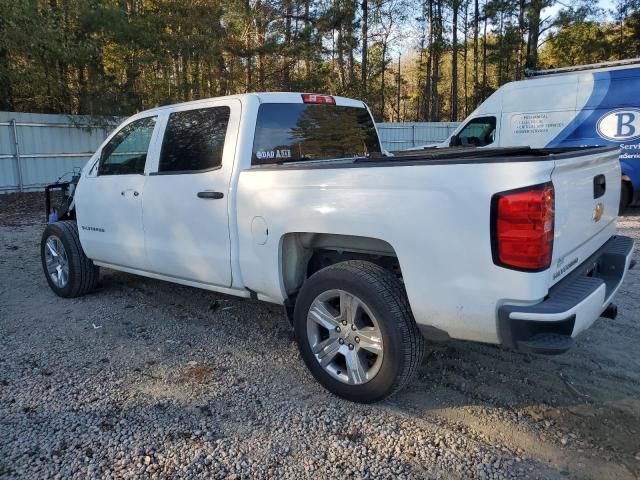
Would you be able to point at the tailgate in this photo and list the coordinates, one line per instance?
(587, 197)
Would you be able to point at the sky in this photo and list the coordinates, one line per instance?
(408, 35)
(604, 4)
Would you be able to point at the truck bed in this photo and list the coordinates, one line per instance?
(450, 156)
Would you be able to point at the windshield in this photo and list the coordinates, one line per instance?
(291, 132)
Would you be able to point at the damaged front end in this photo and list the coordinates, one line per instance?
(59, 200)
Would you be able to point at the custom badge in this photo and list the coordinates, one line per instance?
(273, 154)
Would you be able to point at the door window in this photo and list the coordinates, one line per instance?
(126, 152)
(479, 132)
(194, 140)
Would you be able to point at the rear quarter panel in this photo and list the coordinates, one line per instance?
(436, 217)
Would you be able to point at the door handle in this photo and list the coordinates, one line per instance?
(124, 192)
(211, 195)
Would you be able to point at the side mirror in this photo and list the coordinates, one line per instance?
(455, 141)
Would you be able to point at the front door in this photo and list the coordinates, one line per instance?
(109, 197)
(185, 206)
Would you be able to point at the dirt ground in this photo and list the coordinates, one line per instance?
(138, 345)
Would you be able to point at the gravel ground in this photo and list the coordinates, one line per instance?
(148, 379)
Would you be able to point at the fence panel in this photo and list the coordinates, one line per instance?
(400, 136)
(37, 149)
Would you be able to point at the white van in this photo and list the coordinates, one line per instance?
(589, 105)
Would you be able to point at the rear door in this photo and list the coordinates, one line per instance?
(185, 206)
(587, 194)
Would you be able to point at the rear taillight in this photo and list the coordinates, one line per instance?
(522, 228)
(313, 98)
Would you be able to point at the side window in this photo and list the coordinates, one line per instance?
(479, 132)
(194, 140)
(126, 152)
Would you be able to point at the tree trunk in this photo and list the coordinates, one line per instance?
(534, 32)
(185, 78)
(247, 46)
(500, 49)
(429, 69)
(339, 49)
(465, 59)
(351, 43)
(6, 90)
(287, 49)
(196, 79)
(438, 41)
(454, 63)
(399, 82)
(419, 88)
(383, 69)
(476, 78)
(521, 28)
(307, 25)
(484, 62)
(249, 86)
(365, 45)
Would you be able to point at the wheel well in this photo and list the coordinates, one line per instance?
(305, 253)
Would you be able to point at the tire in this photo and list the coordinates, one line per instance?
(81, 275)
(626, 194)
(380, 311)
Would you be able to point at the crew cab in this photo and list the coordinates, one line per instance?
(288, 198)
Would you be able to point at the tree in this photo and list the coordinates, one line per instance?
(454, 62)
(116, 57)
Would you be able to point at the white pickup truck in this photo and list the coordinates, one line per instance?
(288, 198)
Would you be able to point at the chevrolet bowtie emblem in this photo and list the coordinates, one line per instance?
(598, 212)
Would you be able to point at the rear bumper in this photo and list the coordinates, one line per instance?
(572, 305)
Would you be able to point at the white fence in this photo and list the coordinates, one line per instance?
(400, 136)
(37, 149)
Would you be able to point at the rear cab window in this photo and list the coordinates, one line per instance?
(298, 132)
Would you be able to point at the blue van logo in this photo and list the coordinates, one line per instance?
(620, 125)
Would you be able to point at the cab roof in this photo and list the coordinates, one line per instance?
(262, 97)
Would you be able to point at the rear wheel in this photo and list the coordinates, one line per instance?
(68, 270)
(355, 331)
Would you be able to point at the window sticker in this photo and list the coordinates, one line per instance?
(283, 153)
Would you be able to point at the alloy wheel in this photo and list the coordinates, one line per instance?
(57, 261)
(345, 337)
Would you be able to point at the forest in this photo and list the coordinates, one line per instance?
(410, 60)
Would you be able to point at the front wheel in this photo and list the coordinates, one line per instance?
(68, 270)
(355, 331)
